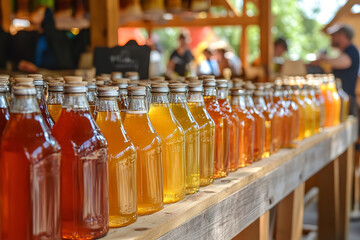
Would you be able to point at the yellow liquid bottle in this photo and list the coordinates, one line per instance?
(180, 109)
(207, 133)
(149, 167)
(295, 97)
(336, 102)
(309, 123)
(173, 144)
(345, 101)
(121, 159)
(55, 99)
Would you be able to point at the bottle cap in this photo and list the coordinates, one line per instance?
(24, 90)
(203, 77)
(24, 81)
(75, 87)
(121, 83)
(195, 87)
(56, 86)
(192, 78)
(108, 91)
(209, 83)
(136, 90)
(237, 92)
(222, 83)
(178, 87)
(159, 88)
(72, 79)
(133, 76)
(116, 75)
(157, 78)
(38, 79)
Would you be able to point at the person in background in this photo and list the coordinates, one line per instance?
(223, 62)
(280, 47)
(181, 59)
(209, 66)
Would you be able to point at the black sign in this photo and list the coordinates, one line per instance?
(128, 58)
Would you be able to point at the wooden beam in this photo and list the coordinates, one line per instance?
(258, 230)
(244, 47)
(289, 217)
(211, 21)
(104, 25)
(266, 41)
(6, 10)
(229, 5)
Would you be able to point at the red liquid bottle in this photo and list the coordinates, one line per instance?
(84, 167)
(4, 108)
(29, 172)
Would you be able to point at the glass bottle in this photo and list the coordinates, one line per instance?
(294, 109)
(4, 108)
(84, 167)
(91, 95)
(295, 97)
(40, 96)
(55, 99)
(173, 143)
(180, 109)
(259, 139)
(234, 123)
(29, 172)
(121, 159)
(122, 99)
(247, 127)
(207, 133)
(222, 135)
(345, 101)
(317, 107)
(261, 106)
(149, 166)
(309, 112)
(320, 99)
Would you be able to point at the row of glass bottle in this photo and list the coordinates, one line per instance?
(227, 156)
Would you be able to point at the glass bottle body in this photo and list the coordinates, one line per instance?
(84, 169)
(345, 104)
(30, 175)
(301, 105)
(309, 114)
(149, 167)
(121, 164)
(173, 147)
(4, 111)
(287, 119)
(54, 104)
(182, 114)
(222, 136)
(207, 137)
(123, 103)
(40, 96)
(276, 122)
(91, 98)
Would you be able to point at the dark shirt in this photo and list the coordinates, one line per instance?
(181, 61)
(349, 76)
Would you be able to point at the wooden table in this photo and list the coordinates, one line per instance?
(238, 206)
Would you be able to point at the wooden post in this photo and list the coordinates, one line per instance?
(104, 22)
(258, 230)
(266, 42)
(6, 10)
(243, 48)
(289, 217)
(328, 205)
(356, 179)
(346, 163)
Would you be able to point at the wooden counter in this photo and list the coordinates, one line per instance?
(228, 206)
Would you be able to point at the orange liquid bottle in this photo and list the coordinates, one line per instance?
(336, 103)
(345, 101)
(84, 167)
(180, 109)
(121, 159)
(30, 172)
(122, 99)
(309, 112)
(317, 107)
(222, 136)
(4, 108)
(247, 127)
(234, 124)
(55, 99)
(261, 106)
(40, 95)
(295, 97)
(148, 146)
(259, 139)
(173, 144)
(294, 109)
(207, 133)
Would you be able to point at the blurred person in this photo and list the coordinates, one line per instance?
(234, 62)
(180, 59)
(280, 47)
(223, 62)
(209, 66)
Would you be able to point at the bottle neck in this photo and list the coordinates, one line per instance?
(76, 101)
(196, 97)
(107, 104)
(24, 105)
(91, 95)
(259, 103)
(235, 100)
(249, 103)
(40, 93)
(222, 93)
(160, 98)
(3, 100)
(210, 91)
(137, 103)
(55, 98)
(177, 98)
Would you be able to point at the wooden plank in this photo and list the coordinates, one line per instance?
(104, 25)
(355, 213)
(290, 212)
(328, 205)
(257, 230)
(225, 208)
(346, 163)
(266, 41)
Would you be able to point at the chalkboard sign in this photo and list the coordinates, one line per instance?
(128, 58)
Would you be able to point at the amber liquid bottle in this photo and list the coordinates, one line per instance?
(207, 133)
(173, 144)
(180, 109)
(4, 108)
(122, 99)
(294, 109)
(121, 159)
(149, 173)
(295, 97)
(234, 126)
(309, 112)
(247, 127)
(259, 139)
(84, 167)
(317, 108)
(222, 136)
(30, 172)
(320, 99)
(55, 100)
(261, 106)
(40, 96)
